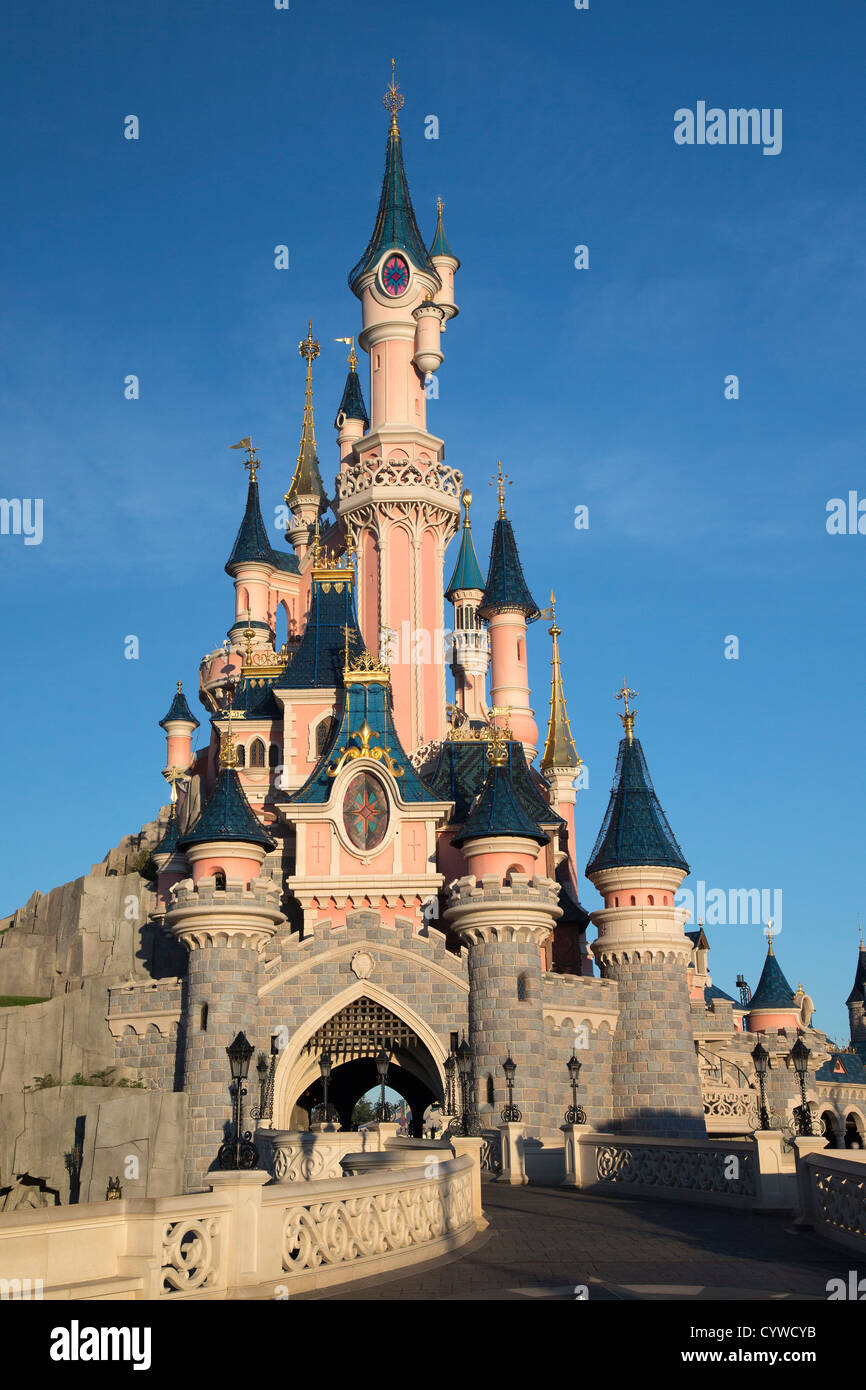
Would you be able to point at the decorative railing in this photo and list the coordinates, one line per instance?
(403, 473)
(835, 1196)
(491, 1151)
(684, 1167)
(191, 1255)
(723, 1104)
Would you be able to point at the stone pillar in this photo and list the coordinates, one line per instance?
(225, 931)
(504, 925)
(641, 945)
(513, 1155)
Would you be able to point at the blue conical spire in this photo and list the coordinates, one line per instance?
(467, 572)
(179, 709)
(635, 830)
(251, 541)
(773, 990)
(440, 245)
(352, 405)
(228, 816)
(395, 228)
(497, 811)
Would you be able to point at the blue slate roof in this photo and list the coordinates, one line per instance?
(251, 541)
(440, 245)
(179, 709)
(228, 816)
(506, 586)
(319, 658)
(498, 812)
(168, 843)
(284, 561)
(635, 829)
(370, 701)
(467, 572)
(858, 991)
(712, 992)
(459, 773)
(395, 227)
(574, 914)
(773, 990)
(253, 699)
(352, 405)
(855, 1071)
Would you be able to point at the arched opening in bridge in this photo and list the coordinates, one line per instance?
(353, 1038)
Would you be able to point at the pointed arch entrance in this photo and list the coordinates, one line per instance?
(353, 1029)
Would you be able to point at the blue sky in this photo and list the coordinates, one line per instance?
(602, 387)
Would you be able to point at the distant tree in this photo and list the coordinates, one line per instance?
(363, 1113)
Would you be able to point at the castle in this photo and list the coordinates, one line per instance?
(356, 864)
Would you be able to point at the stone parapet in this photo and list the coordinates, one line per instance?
(209, 916)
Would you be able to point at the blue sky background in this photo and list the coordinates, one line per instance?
(602, 387)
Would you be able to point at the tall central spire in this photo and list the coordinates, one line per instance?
(307, 480)
(395, 228)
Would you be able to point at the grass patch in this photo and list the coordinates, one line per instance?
(12, 1001)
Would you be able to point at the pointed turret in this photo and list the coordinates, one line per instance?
(856, 1002)
(306, 496)
(858, 990)
(179, 710)
(251, 542)
(506, 589)
(467, 572)
(559, 750)
(773, 1004)
(497, 813)
(635, 830)
(509, 606)
(446, 264)
(227, 817)
(395, 228)
(352, 405)
(440, 246)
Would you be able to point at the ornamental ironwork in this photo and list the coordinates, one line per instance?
(362, 1029)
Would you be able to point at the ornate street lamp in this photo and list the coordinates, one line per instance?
(450, 1083)
(239, 1152)
(761, 1059)
(800, 1057)
(464, 1070)
(510, 1112)
(575, 1114)
(383, 1109)
(325, 1073)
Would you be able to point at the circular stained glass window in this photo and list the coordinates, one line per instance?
(365, 811)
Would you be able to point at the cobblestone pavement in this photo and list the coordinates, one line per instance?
(542, 1243)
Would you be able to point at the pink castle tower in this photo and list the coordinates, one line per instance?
(470, 643)
(397, 501)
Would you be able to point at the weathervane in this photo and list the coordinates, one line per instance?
(250, 462)
(393, 100)
(628, 717)
(353, 357)
(770, 933)
(500, 480)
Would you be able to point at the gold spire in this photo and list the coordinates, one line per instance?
(500, 480)
(250, 462)
(228, 752)
(860, 930)
(180, 692)
(559, 750)
(393, 100)
(466, 499)
(353, 357)
(771, 932)
(307, 481)
(439, 207)
(628, 717)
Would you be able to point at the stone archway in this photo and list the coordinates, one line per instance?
(353, 1029)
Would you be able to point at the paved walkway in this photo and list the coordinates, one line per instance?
(544, 1242)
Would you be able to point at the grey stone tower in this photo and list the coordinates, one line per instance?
(637, 866)
(856, 1002)
(505, 919)
(225, 915)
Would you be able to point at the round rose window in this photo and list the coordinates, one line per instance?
(365, 811)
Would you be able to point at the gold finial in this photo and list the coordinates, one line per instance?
(554, 631)
(393, 100)
(628, 717)
(860, 930)
(228, 753)
(466, 499)
(250, 462)
(350, 344)
(500, 480)
(770, 933)
(173, 775)
(249, 634)
(309, 347)
(439, 208)
(180, 687)
(497, 748)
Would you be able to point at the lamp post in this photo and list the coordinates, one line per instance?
(239, 1152)
(325, 1073)
(510, 1112)
(450, 1088)
(464, 1069)
(575, 1114)
(800, 1057)
(761, 1059)
(383, 1110)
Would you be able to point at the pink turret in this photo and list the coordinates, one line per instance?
(397, 500)
(508, 606)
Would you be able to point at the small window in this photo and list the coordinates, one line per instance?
(632, 900)
(323, 735)
(257, 754)
(273, 755)
(455, 1041)
(202, 1018)
(520, 649)
(651, 900)
(378, 361)
(242, 755)
(521, 987)
(616, 902)
(220, 878)
(491, 1094)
